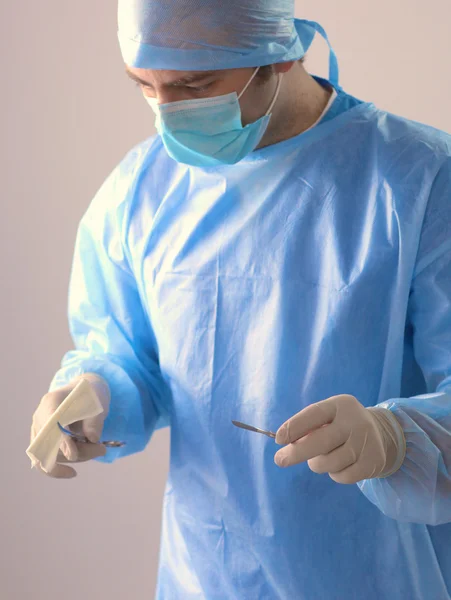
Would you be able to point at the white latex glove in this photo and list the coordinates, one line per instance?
(341, 437)
(71, 451)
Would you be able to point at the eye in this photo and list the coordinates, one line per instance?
(146, 91)
(200, 89)
(142, 86)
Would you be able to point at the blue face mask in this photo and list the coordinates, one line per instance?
(209, 131)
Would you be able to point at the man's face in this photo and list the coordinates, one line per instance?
(173, 86)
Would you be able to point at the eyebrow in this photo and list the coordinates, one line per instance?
(194, 78)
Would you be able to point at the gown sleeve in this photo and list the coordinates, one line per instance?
(109, 326)
(420, 492)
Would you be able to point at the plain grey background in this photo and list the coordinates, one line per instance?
(68, 115)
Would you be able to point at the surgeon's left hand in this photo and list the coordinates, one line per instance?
(341, 437)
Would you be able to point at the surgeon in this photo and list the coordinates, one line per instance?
(279, 254)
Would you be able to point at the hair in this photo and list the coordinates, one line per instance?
(265, 73)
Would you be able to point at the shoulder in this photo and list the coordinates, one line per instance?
(410, 159)
(122, 189)
(416, 161)
(419, 142)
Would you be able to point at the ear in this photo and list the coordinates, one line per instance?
(284, 67)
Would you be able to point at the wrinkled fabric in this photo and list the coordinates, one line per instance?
(206, 34)
(314, 267)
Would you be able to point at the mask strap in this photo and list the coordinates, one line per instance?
(276, 95)
(249, 82)
(333, 61)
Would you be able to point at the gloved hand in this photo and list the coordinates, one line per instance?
(71, 451)
(341, 437)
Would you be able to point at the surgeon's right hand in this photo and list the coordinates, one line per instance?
(71, 451)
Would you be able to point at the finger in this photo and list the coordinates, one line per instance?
(69, 448)
(358, 471)
(311, 418)
(89, 428)
(354, 473)
(334, 462)
(85, 452)
(52, 400)
(58, 472)
(348, 476)
(321, 441)
(92, 428)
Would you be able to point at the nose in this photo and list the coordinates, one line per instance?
(164, 94)
(157, 99)
(168, 96)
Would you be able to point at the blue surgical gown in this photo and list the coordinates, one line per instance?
(317, 266)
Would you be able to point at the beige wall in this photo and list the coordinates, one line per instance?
(68, 115)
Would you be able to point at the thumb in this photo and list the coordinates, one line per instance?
(92, 428)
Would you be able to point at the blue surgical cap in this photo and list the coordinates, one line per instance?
(197, 35)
